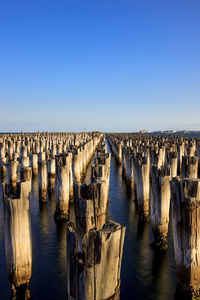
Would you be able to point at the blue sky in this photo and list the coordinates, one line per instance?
(113, 65)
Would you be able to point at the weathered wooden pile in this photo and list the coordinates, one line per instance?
(163, 170)
(59, 160)
(94, 246)
(44, 155)
(17, 229)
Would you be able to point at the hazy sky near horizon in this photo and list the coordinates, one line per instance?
(110, 65)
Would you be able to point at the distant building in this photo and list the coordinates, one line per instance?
(170, 131)
(143, 131)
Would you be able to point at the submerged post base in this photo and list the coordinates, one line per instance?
(61, 216)
(21, 292)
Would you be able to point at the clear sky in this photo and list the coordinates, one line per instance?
(120, 65)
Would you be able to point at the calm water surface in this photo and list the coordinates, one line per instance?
(145, 274)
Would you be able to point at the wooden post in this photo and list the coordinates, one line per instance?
(142, 179)
(51, 166)
(189, 167)
(90, 206)
(160, 204)
(94, 272)
(173, 163)
(18, 236)
(35, 164)
(12, 168)
(77, 165)
(26, 174)
(43, 180)
(62, 185)
(186, 232)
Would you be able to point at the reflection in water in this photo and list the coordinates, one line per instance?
(163, 265)
(35, 189)
(52, 201)
(160, 273)
(62, 242)
(44, 218)
(1, 191)
(144, 256)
